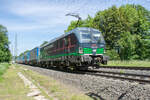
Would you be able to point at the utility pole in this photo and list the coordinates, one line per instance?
(12, 52)
(15, 49)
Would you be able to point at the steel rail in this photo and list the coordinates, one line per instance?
(126, 67)
(126, 76)
(120, 73)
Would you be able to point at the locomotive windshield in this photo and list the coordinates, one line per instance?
(86, 36)
(97, 37)
(92, 36)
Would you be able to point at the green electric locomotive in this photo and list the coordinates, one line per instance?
(80, 47)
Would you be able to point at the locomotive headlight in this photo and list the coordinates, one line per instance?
(80, 50)
(104, 51)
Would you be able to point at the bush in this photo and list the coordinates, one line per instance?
(113, 55)
(3, 68)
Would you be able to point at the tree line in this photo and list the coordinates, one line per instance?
(126, 30)
(5, 55)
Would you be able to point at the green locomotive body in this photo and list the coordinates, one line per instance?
(79, 47)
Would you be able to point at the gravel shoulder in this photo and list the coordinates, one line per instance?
(53, 88)
(99, 87)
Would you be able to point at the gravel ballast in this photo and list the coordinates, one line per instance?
(140, 72)
(103, 88)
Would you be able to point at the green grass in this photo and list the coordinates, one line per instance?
(3, 68)
(12, 87)
(134, 63)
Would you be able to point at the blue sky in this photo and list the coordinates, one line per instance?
(35, 21)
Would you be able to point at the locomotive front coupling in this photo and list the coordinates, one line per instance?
(100, 59)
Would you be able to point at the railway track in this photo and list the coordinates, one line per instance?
(132, 77)
(122, 76)
(126, 67)
(103, 86)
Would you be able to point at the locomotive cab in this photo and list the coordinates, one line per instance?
(92, 46)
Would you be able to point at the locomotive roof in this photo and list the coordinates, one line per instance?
(75, 31)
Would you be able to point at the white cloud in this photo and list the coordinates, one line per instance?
(39, 15)
(23, 28)
(44, 12)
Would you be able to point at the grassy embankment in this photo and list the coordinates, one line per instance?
(134, 63)
(11, 86)
(55, 88)
(3, 68)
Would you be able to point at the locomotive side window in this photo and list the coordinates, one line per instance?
(58, 44)
(66, 41)
(55, 45)
(73, 39)
(61, 43)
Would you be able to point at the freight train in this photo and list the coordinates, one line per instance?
(80, 47)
